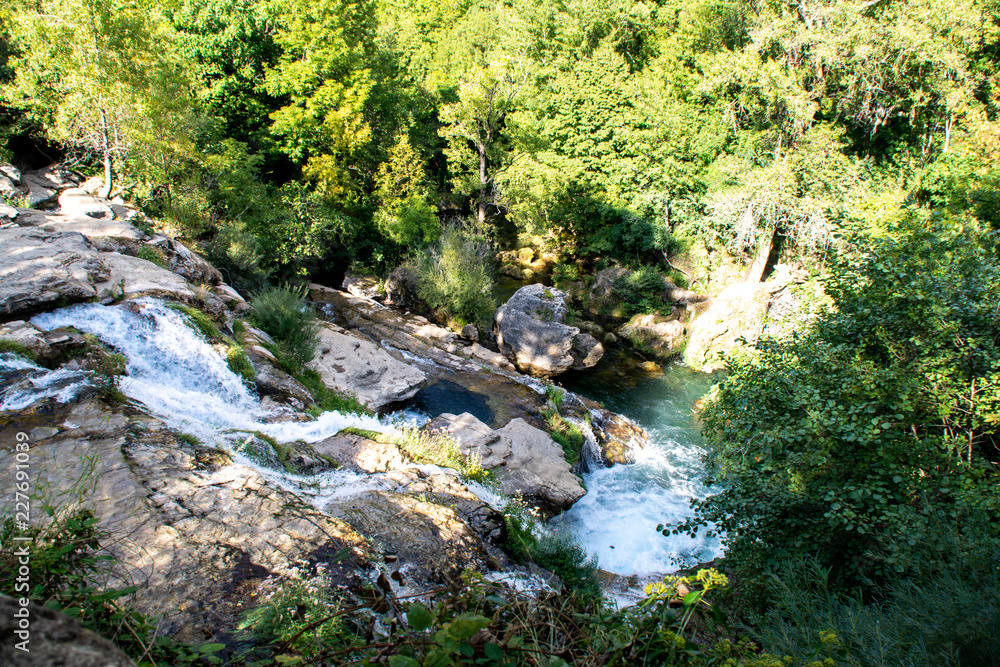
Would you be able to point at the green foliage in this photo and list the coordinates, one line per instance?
(845, 442)
(285, 315)
(555, 394)
(239, 363)
(566, 433)
(640, 292)
(108, 369)
(456, 277)
(151, 254)
(8, 346)
(326, 399)
(199, 321)
(299, 613)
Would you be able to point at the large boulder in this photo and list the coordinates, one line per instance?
(360, 368)
(42, 267)
(52, 639)
(737, 314)
(530, 332)
(44, 185)
(524, 459)
(132, 277)
(662, 337)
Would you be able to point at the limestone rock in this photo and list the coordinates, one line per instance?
(401, 289)
(470, 332)
(359, 454)
(524, 459)
(662, 337)
(7, 213)
(44, 185)
(39, 268)
(354, 366)
(274, 382)
(182, 261)
(11, 172)
(54, 639)
(131, 277)
(530, 332)
(738, 312)
(25, 334)
(75, 202)
(365, 287)
(7, 187)
(105, 233)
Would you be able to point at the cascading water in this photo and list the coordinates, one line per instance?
(184, 381)
(616, 521)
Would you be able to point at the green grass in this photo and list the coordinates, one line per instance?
(189, 439)
(13, 347)
(154, 255)
(326, 399)
(199, 321)
(567, 434)
(239, 363)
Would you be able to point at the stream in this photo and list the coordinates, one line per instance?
(616, 521)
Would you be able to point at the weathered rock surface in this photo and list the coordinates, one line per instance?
(359, 454)
(401, 288)
(39, 268)
(366, 287)
(7, 214)
(277, 384)
(132, 277)
(55, 640)
(530, 332)
(7, 187)
(351, 365)
(44, 185)
(186, 524)
(11, 172)
(662, 337)
(525, 459)
(76, 202)
(182, 261)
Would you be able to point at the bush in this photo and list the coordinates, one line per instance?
(239, 363)
(845, 443)
(199, 321)
(285, 315)
(456, 277)
(640, 292)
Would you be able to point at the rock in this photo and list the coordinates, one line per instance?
(356, 367)
(231, 298)
(470, 332)
(44, 185)
(25, 334)
(40, 268)
(365, 287)
(737, 313)
(106, 234)
(7, 213)
(92, 185)
(184, 262)
(432, 539)
(401, 289)
(524, 459)
(530, 332)
(131, 277)
(7, 187)
(11, 172)
(274, 382)
(610, 338)
(75, 202)
(53, 639)
(601, 299)
(359, 454)
(185, 523)
(664, 338)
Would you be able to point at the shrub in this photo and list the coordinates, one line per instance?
(456, 276)
(199, 321)
(237, 251)
(567, 434)
(640, 292)
(151, 254)
(326, 399)
(286, 315)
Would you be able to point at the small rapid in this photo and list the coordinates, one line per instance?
(616, 521)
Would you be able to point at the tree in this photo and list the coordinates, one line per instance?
(95, 73)
(487, 95)
(405, 215)
(848, 442)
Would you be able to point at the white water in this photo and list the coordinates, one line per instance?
(35, 383)
(616, 521)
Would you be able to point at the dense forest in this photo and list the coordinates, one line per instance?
(858, 140)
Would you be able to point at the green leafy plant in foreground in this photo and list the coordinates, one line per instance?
(285, 315)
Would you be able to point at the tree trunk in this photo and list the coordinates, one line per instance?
(106, 149)
(483, 183)
(756, 270)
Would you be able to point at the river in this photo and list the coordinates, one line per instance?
(616, 521)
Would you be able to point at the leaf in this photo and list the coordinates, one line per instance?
(402, 661)
(419, 617)
(493, 651)
(286, 659)
(211, 648)
(467, 624)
